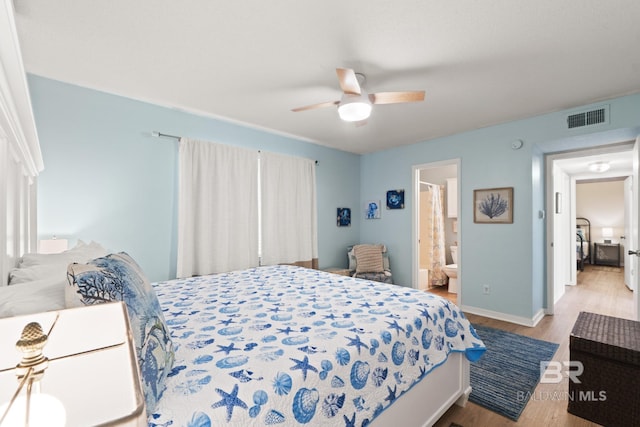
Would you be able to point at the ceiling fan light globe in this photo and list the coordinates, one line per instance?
(354, 111)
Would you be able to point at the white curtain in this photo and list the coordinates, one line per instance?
(217, 208)
(288, 207)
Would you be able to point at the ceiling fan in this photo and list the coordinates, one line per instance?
(356, 104)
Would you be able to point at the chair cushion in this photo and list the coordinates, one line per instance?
(376, 277)
(353, 262)
(368, 258)
(117, 277)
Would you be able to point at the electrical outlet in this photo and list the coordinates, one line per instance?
(486, 289)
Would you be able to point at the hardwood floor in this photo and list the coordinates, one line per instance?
(599, 290)
(444, 293)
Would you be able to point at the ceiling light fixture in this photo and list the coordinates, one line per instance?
(599, 167)
(354, 108)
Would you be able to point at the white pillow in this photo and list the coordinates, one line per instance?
(35, 267)
(38, 296)
(80, 253)
(36, 272)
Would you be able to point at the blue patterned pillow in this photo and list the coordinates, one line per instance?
(117, 277)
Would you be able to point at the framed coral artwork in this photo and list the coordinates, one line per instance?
(493, 206)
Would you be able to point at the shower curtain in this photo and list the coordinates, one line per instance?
(432, 219)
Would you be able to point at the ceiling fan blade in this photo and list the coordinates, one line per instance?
(348, 81)
(314, 106)
(396, 97)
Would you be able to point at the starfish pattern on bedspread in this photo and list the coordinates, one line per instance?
(356, 343)
(304, 366)
(229, 400)
(227, 348)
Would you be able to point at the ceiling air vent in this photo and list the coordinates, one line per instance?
(588, 118)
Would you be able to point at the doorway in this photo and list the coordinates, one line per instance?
(436, 233)
(568, 175)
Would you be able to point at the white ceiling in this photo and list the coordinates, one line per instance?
(620, 164)
(480, 62)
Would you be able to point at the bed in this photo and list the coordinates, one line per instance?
(285, 345)
(583, 243)
(294, 345)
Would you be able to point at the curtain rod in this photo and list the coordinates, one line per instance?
(157, 134)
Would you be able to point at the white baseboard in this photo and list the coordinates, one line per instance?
(519, 320)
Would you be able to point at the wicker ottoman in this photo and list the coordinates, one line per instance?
(609, 350)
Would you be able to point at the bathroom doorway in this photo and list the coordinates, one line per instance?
(436, 229)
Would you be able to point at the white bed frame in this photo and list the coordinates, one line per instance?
(20, 156)
(428, 400)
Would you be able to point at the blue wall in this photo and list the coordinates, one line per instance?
(107, 179)
(508, 257)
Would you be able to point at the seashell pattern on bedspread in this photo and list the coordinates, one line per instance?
(284, 345)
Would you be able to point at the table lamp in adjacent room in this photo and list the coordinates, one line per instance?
(65, 368)
(607, 234)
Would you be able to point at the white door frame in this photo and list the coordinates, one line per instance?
(629, 238)
(415, 173)
(550, 191)
(635, 219)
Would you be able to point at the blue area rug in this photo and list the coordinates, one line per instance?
(509, 371)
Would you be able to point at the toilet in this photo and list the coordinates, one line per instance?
(451, 270)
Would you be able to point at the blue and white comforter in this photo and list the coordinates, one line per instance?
(285, 345)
